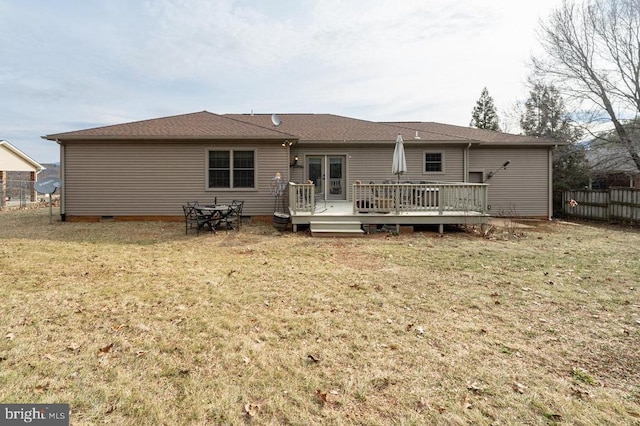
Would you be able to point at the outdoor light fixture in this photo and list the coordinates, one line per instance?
(287, 143)
(503, 167)
(294, 163)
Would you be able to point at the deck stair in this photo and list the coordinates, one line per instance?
(336, 228)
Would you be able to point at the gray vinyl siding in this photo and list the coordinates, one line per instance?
(155, 179)
(372, 163)
(520, 190)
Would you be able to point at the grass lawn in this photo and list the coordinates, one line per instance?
(137, 323)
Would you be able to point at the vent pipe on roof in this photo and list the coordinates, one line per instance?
(417, 136)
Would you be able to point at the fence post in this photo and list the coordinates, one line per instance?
(32, 189)
(3, 188)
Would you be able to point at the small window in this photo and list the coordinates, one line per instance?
(231, 169)
(434, 162)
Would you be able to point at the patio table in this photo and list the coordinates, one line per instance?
(214, 214)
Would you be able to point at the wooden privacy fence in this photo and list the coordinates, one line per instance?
(615, 204)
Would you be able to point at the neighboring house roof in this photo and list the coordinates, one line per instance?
(199, 125)
(303, 127)
(609, 157)
(14, 160)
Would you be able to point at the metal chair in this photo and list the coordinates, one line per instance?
(235, 214)
(194, 219)
(191, 217)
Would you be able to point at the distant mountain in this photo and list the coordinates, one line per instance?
(19, 184)
(52, 170)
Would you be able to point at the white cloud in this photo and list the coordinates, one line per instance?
(97, 62)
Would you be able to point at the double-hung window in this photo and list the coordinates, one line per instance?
(231, 168)
(434, 162)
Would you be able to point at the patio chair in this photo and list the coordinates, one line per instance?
(193, 219)
(235, 215)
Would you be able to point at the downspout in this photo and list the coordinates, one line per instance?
(63, 191)
(465, 165)
(34, 195)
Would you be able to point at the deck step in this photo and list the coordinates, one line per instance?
(335, 228)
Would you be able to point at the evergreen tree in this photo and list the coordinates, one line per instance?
(545, 116)
(484, 115)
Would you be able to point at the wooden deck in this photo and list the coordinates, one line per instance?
(405, 204)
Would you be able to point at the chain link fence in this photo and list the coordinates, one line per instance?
(18, 193)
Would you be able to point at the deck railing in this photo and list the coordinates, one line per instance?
(302, 197)
(398, 198)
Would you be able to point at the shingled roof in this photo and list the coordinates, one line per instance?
(199, 125)
(335, 128)
(326, 128)
(472, 134)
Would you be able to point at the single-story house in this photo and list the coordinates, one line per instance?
(14, 160)
(148, 169)
(611, 165)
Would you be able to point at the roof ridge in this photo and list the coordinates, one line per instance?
(257, 125)
(428, 131)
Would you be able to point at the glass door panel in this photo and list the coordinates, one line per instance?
(315, 173)
(336, 178)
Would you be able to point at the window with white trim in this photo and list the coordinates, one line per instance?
(433, 162)
(231, 168)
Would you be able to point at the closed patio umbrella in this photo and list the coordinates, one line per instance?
(399, 162)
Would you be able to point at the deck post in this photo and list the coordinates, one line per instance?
(397, 201)
(441, 229)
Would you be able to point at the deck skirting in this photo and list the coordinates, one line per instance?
(342, 211)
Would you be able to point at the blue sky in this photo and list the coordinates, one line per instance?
(75, 64)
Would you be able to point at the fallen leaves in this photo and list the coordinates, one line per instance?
(464, 402)
(42, 388)
(424, 405)
(105, 350)
(519, 387)
(328, 398)
(73, 348)
(476, 388)
(251, 410)
(120, 327)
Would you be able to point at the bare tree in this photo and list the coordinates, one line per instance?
(593, 55)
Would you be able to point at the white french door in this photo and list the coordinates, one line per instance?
(328, 173)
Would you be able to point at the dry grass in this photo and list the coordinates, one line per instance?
(136, 323)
